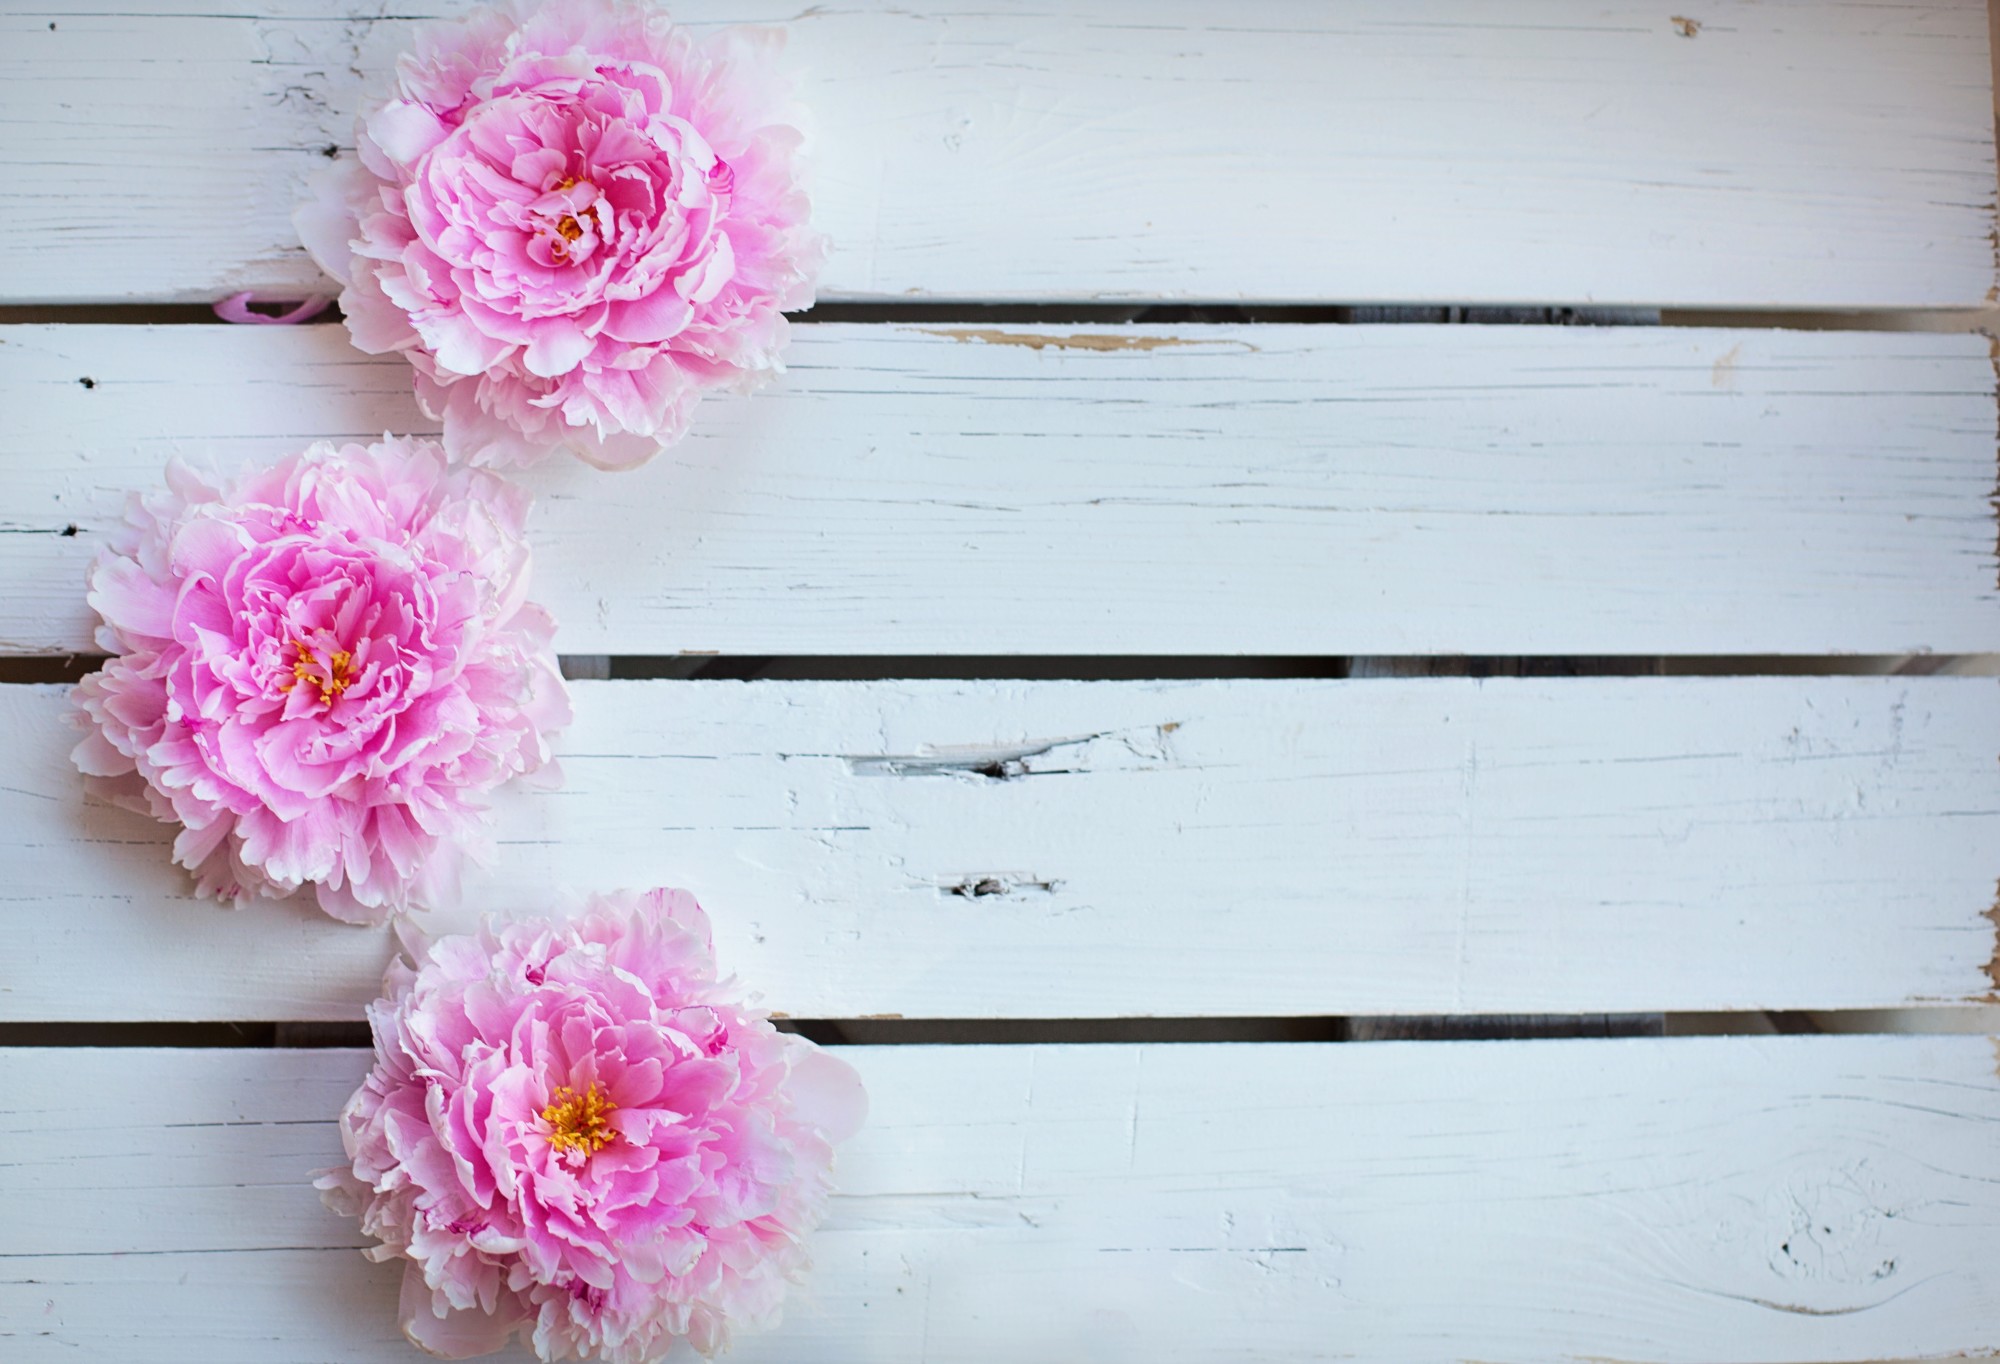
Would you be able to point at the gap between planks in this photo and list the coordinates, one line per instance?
(840, 1032)
(974, 314)
(69, 668)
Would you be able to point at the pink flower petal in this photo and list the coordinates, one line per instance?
(572, 1132)
(557, 349)
(572, 190)
(658, 316)
(828, 1094)
(131, 600)
(404, 130)
(328, 220)
(453, 1335)
(322, 670)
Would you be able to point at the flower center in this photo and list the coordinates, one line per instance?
(567, 228)
(332, 678)
(579, 1122)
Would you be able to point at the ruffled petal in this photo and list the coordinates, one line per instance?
(325, 668)
(573, 1132)
(585, 210)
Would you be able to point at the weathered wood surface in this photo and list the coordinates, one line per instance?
(1190, 490)
(1052, 850)
(1748, 1199)
(1778, 154)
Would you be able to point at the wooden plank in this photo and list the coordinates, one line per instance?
(1778, 154)
(1051, 850)
(1739, 1199)
(1204, 490)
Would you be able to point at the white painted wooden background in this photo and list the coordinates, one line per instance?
(1689, 1199)
(992, 850)
(1791, 152)
(1582, 845)
(1204, 490)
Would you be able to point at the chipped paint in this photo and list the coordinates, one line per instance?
(1097, 341)
(997, 884)
(1722, 374)
(1799, 1311)
(1006, 762)
(1993, 962)
(1685, 26)
(1993, 500)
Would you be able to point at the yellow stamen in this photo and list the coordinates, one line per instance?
(567, 227)
(305, 668)
(578, 1122)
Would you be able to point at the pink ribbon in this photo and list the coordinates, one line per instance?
(236, 308)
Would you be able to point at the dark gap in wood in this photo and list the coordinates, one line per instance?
(1931, 320)
(307, 1036)
(1499, 1027)
(144, 1034)
(1791, 1021)
(1139, 312)
(1134, 667)
(137, 315)
(875, 1032)
(69, 669)
(1219, 312)
(970, 668)
(1480, 665)
(65, 669)
(892, 311)
(878, 1032)
(1830, 665)
(890, 1031)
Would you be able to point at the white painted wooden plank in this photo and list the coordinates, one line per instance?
(1738, 1199)
(1177, 849)
(1802, 153)
(1204, 490)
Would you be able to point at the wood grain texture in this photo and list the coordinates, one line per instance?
(1798, 154)
(1738, 1199)
(1050, 850)
(1208, 490)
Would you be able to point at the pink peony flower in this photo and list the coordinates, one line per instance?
(576, 1132)
(320, 670)
(572, 219)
